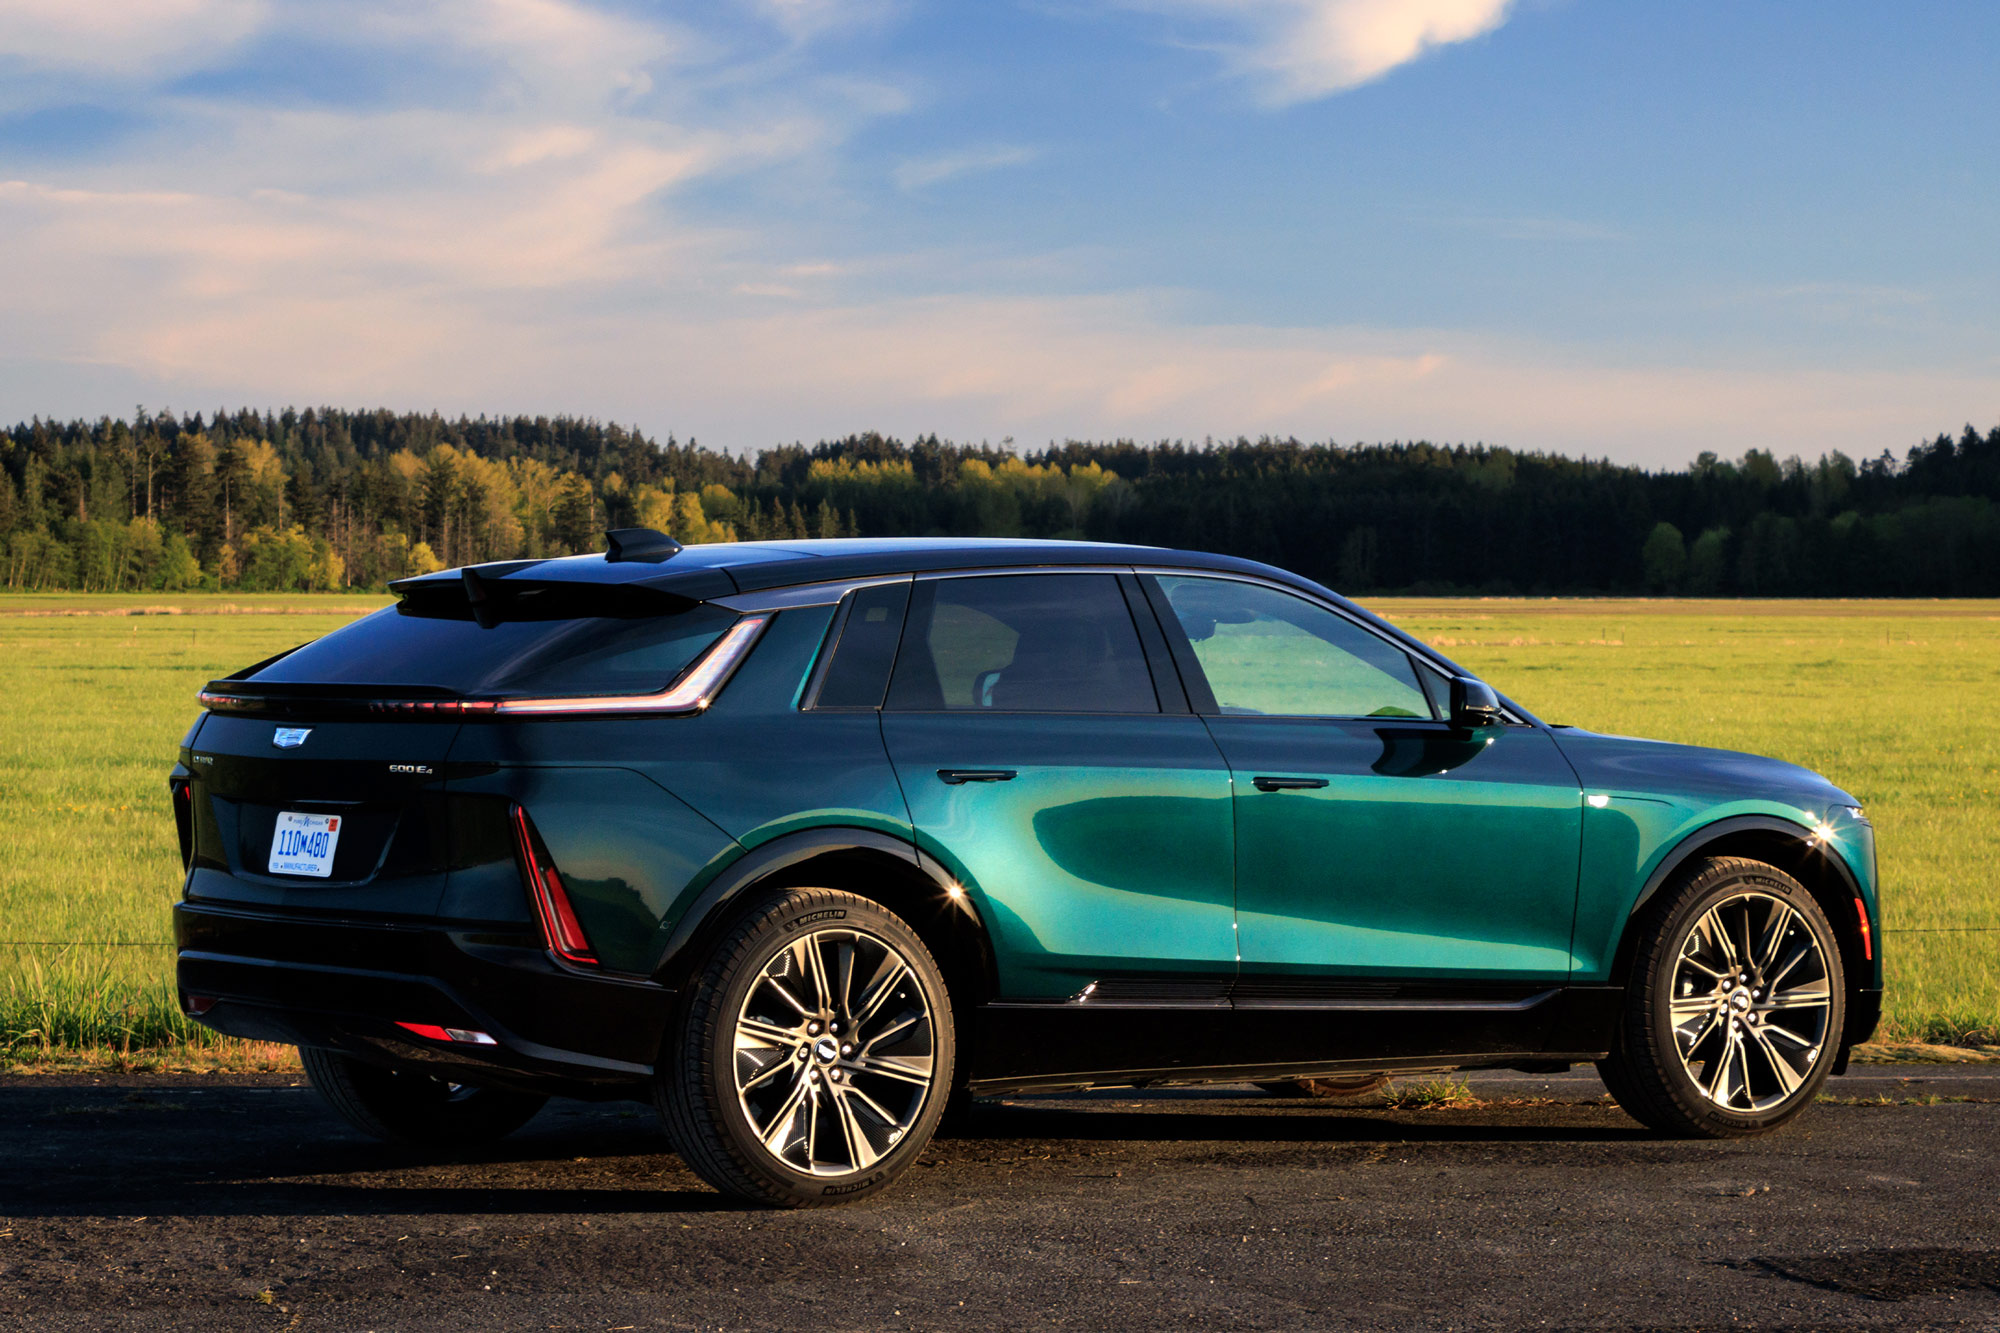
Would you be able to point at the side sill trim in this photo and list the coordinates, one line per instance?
(1407, 1006)
(1268, 1004)
(1253, 1073)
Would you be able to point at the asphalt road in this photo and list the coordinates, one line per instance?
(168, 1204)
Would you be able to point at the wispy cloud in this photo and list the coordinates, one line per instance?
(124, 37)
(920, 172)
(540, 232)
(809, 18)
(1299, 50)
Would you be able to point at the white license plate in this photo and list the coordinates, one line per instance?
(303, 844)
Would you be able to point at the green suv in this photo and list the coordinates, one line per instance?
(803, 840)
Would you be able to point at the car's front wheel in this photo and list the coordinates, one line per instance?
(1734, 1011)
(408, 1106)
(814, 1053)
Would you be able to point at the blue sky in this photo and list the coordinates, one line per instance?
(1629, 230)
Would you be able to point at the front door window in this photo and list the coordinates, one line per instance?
(1268, 653)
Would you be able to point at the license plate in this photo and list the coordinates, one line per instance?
(303, 844)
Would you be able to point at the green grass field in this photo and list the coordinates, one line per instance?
(1884, 698)
(99, 690)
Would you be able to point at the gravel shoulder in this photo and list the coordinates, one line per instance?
(227, 1202)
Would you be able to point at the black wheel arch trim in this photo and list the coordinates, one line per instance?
(770, 859)
(1691, 846)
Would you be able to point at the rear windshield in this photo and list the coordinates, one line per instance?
(639, 650)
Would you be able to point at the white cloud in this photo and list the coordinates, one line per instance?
(124, 36)
(920, 172)
(1298, 50)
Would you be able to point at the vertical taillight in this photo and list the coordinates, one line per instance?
(183, 792)
(1867, 935)
(545, 888)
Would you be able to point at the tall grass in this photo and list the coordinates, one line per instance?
(69, 998)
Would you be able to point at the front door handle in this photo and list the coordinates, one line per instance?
(953, 777)
(1287, 784)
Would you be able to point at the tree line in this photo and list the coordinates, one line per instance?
(328, 499)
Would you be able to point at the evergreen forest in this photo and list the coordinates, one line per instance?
(328, 499)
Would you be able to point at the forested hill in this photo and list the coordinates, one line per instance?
(324, 498)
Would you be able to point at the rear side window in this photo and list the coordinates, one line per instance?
(1022, 643)
(638, 647)
(857, 673)
(1267, 652)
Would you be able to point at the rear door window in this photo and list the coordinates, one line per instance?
(1022, 643)
(1268, 652)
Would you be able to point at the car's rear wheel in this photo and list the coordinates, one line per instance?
(1735, 1008)
(408, 1106)
(814, 1052)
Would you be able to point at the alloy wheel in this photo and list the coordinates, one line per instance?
(833, 1052)
(1751, 1002)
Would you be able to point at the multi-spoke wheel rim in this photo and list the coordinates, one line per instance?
(833, 1052)
(1752, 1001)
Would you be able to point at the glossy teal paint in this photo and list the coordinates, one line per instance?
(1108, 854)
(625, 848)
(1644, 799)
(1430, 853)
(761, 767)
(750, 769)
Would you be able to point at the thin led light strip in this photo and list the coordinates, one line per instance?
(696, 690)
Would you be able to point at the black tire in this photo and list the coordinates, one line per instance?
(1735, 970)
(1331, 1088)
(408, 1106)
(711, 1084)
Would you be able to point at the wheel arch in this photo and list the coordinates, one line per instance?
(864, 862)
(1793, 849)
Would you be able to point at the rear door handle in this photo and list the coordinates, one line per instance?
(956, 776)
(1287, 784)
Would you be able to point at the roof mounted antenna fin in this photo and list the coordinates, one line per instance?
(483, 609)
(640, 544)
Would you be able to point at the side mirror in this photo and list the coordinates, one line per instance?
(1473, 704)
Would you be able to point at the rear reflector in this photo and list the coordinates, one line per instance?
(464, 1036)
(560, 926)
(184, 819)
(197, 1005)
(1867, 936)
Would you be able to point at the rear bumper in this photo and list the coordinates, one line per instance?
(345, 985)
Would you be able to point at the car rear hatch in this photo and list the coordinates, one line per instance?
(306, 802)
(319, 782)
